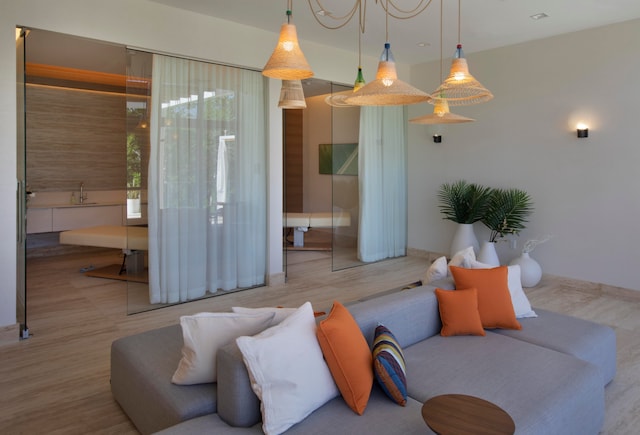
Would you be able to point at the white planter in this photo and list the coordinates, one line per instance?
(488, 254)
(530, 270)
(463, 238)
(133, 206)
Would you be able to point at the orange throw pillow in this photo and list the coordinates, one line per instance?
(494, 299)
(459, 312)
(348, 356)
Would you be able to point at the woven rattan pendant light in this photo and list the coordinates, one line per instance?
(287, 61)
(387, 89)
(292, 95)
(460, 87)
(441, 113)
(338, 99)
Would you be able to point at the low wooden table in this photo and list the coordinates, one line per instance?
(459, 414)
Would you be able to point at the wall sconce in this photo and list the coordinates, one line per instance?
(583, 130)
(437, 138)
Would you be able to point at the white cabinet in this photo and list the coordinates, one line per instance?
(70, 218)
(39, 220)
(48, 219)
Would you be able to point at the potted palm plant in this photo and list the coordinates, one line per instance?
(507, 212)
(463, 203)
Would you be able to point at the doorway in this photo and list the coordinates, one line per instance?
(321, 202)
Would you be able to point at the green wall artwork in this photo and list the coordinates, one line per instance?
(338, 159)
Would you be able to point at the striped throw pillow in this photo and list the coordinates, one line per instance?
(389, 366)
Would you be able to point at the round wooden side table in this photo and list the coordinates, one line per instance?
(459, 414)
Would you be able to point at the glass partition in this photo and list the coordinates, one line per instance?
(196, 180)
(135, 261)
(345, 129)
(21, 198)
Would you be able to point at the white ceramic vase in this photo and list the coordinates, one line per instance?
(463, 238)
(530, 270)
(488, 254)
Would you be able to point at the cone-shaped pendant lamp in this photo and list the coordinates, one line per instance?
(287, 61)
(338, 99)
(441, 115)
(292, 95)
(460, 87)
(359, 83)
(387, 89)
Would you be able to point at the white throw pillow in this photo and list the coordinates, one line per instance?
(437, 270)
(521, 304)
(463, 258)
(287, 370)
(280, 313)
(203, 334)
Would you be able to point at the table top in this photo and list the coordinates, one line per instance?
(459, 414)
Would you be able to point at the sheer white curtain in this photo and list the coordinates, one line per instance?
(207, 180)
(382, 164)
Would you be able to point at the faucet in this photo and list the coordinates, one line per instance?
(82, 195)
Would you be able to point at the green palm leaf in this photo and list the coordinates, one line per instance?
(463, 202)
(507, 212)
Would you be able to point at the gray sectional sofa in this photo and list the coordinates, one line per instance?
(550, 376)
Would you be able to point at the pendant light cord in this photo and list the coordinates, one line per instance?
(360, 32)
(386, 24)
(459, 14)
(441, 1)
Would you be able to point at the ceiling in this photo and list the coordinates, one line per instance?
(485, 24)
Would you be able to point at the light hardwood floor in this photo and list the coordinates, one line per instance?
(57, 381)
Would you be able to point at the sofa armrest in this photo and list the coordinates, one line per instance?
(237, 403)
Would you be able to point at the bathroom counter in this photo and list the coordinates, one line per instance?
(69, 205)
(46, 218)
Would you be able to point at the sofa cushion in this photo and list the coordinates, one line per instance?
(204, 333)
(380, 417)
(347, 355)
(287, 370)
(141, 370)
(581, 338)
(412, 315)
(544, 391)
(521, 305)
(459, 312)
(388, 365)
(494, 299)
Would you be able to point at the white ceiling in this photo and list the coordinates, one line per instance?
(485, 24)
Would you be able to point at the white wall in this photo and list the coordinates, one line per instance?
(586, 191)
(316, 130)
(324, 124)
(146, 25)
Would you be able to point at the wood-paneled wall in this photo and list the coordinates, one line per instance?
(293, 160)
(75, 136)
